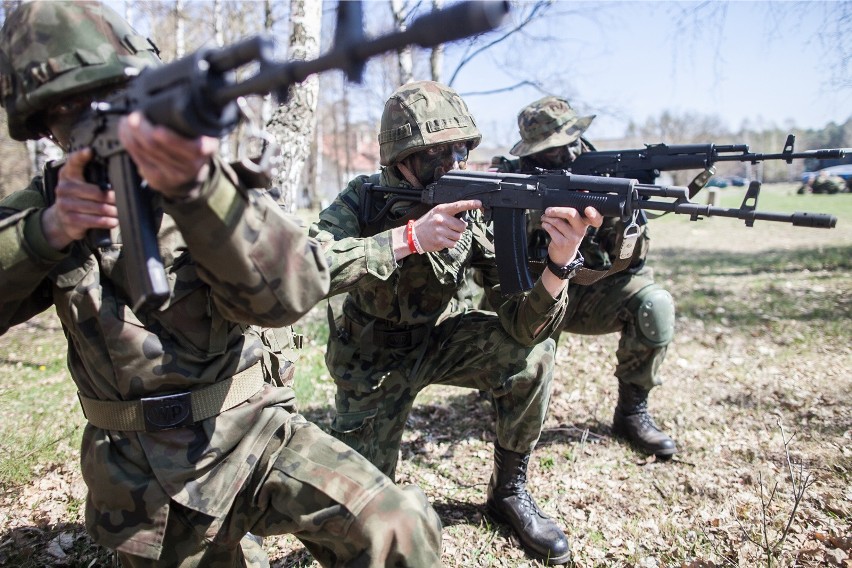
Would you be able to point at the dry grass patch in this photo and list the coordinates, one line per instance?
(756, 394)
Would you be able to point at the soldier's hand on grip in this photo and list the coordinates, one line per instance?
(171, 164)
(440, 228)
(79, 205)
(567, 228)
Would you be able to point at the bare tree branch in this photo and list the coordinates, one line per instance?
(506, 89)
(538, 6)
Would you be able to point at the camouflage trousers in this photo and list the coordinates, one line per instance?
(376, 387)
(311, 485)
(605, 307)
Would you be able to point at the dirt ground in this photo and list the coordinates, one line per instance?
(756, 394)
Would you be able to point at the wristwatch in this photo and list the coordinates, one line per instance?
(567, 271)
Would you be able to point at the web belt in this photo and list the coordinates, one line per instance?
(157, 413)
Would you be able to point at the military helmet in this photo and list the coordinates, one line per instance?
(547, 123)
(421, 114)
(52, 50)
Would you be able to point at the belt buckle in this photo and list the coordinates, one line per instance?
(398, 339)
(167, 412)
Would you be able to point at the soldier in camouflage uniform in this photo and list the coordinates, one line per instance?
(192, 450)
(627, 302)
(827, 183)
(401, 328)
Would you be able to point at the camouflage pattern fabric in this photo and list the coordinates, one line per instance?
(420, 114)
(51, 51)
(235, 263)
(427, 336)
(547, 123)
(829, 184)
(308, 484)
(607, 306)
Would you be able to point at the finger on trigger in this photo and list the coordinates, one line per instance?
(593, 216)
(75, 163)
(466, 205)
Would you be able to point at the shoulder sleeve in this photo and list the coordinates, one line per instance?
(25, 257)
(354, 260)
(262, 267)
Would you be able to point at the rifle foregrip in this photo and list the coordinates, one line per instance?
(608, 205)
(818, 220)
(510, 248)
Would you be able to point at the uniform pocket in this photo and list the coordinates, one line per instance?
(357, 430)
(191, 318)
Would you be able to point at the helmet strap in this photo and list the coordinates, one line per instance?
(409, 175)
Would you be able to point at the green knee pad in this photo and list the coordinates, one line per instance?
(653, 316)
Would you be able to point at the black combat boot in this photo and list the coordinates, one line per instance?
(509, 502)
(632, 421)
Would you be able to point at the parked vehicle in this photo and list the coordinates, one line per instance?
(717, 182)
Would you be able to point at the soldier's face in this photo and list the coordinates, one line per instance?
(61, 118)
(433, 162)
(558, 157)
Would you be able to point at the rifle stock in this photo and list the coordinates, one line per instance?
(196, 96)
(507, 197)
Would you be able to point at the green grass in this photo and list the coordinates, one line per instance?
(40, 420)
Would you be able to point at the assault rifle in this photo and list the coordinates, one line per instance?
(646, 164)
(507, 196)
(198, 96)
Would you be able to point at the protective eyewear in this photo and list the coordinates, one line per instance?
(458, 150)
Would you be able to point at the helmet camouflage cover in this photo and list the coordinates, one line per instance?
(52, 50)
(421, 114)
(547, 123)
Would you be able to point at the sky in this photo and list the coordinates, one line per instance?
(768, 63)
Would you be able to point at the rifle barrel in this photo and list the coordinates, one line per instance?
(459, 21)
(827, 154)
(696, 211)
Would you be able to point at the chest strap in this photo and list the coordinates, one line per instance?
(177, 410)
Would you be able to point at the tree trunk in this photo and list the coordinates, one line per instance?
(404, 59)
(436, 59)
(292, 124)
(180, 31)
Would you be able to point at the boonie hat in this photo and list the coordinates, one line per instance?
(547, 123)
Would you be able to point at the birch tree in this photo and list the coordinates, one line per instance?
(436, 58)
(293, 123)
(405, 63)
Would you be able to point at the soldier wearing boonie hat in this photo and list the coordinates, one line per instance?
(628, 302)
(547, 123)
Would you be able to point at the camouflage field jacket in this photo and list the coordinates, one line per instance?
(420, 289)
(234, 263)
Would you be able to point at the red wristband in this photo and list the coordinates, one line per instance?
(409, 233)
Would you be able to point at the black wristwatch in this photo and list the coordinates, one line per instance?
(568, 271)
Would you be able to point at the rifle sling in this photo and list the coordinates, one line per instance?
(415, 212)
(587, 276)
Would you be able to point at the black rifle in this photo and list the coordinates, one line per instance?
(197, 96)
(507, 196)
(646, 164)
